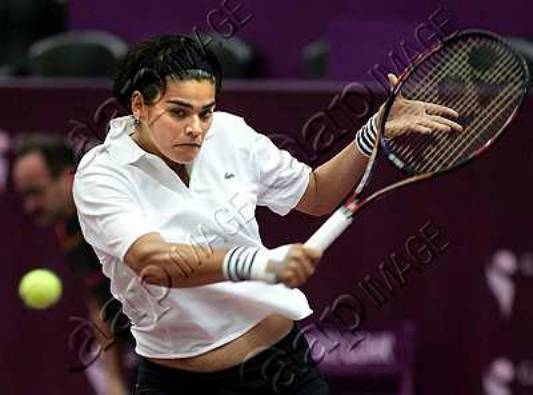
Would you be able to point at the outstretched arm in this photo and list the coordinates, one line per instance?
(331, 182)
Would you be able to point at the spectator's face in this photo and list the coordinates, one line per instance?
(43, 195)
(178, 122)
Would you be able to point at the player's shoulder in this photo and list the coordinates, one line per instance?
(97, 165)
(96, 157)
(226, 121)
(223, 118)
(106, 157)
(228, 127)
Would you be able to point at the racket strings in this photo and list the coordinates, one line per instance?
(457, 102)
(469, 136)
(430, 73)
(481, 129)
(450, 78)
(449, 144)
(472, 123)
(500, 119)
(484, 133)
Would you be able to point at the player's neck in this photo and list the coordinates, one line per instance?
(178, 168)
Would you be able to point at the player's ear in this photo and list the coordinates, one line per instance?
(137, 104)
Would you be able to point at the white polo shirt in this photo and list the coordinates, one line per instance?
(123, 192)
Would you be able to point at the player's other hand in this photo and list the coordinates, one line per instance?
(293, 264)
(417, 116)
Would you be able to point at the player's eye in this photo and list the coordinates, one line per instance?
(206, 115)
(178, 113)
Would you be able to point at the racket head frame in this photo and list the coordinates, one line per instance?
(419, 60)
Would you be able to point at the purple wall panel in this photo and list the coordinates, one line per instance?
(480, 209)
(280, 29)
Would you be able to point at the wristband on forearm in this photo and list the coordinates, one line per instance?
(247, 263)
(250, 263)
(365, 138)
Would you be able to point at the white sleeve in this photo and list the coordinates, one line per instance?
(281, 178)
(110, 218)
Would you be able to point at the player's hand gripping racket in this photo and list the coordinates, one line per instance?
(474, 73)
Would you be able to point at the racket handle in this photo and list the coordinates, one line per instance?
(330, 230)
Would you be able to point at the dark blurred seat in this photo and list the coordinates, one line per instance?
(76, 54)
(238, 58)
(22, 22)
(315, 58)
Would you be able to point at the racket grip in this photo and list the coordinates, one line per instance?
(330, 230)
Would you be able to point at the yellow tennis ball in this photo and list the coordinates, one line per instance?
(40, 288)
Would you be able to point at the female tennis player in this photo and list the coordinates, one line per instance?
(168, 204)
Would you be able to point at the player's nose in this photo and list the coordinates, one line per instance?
(194, 128)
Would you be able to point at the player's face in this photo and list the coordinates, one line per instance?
(40, 192)
(179, 120)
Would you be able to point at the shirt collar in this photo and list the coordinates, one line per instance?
(119, 142)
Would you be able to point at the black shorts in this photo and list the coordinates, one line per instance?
(284, 368)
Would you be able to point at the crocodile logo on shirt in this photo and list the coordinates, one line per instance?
(229, 175)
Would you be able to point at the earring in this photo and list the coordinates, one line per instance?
(137, 122)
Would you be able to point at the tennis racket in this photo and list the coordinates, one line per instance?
(472, 72)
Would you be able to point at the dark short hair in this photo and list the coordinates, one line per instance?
(148, 64)
(56, 153)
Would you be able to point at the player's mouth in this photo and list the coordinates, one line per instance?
(188, 145)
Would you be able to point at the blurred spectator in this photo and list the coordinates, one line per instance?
(43, 172)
